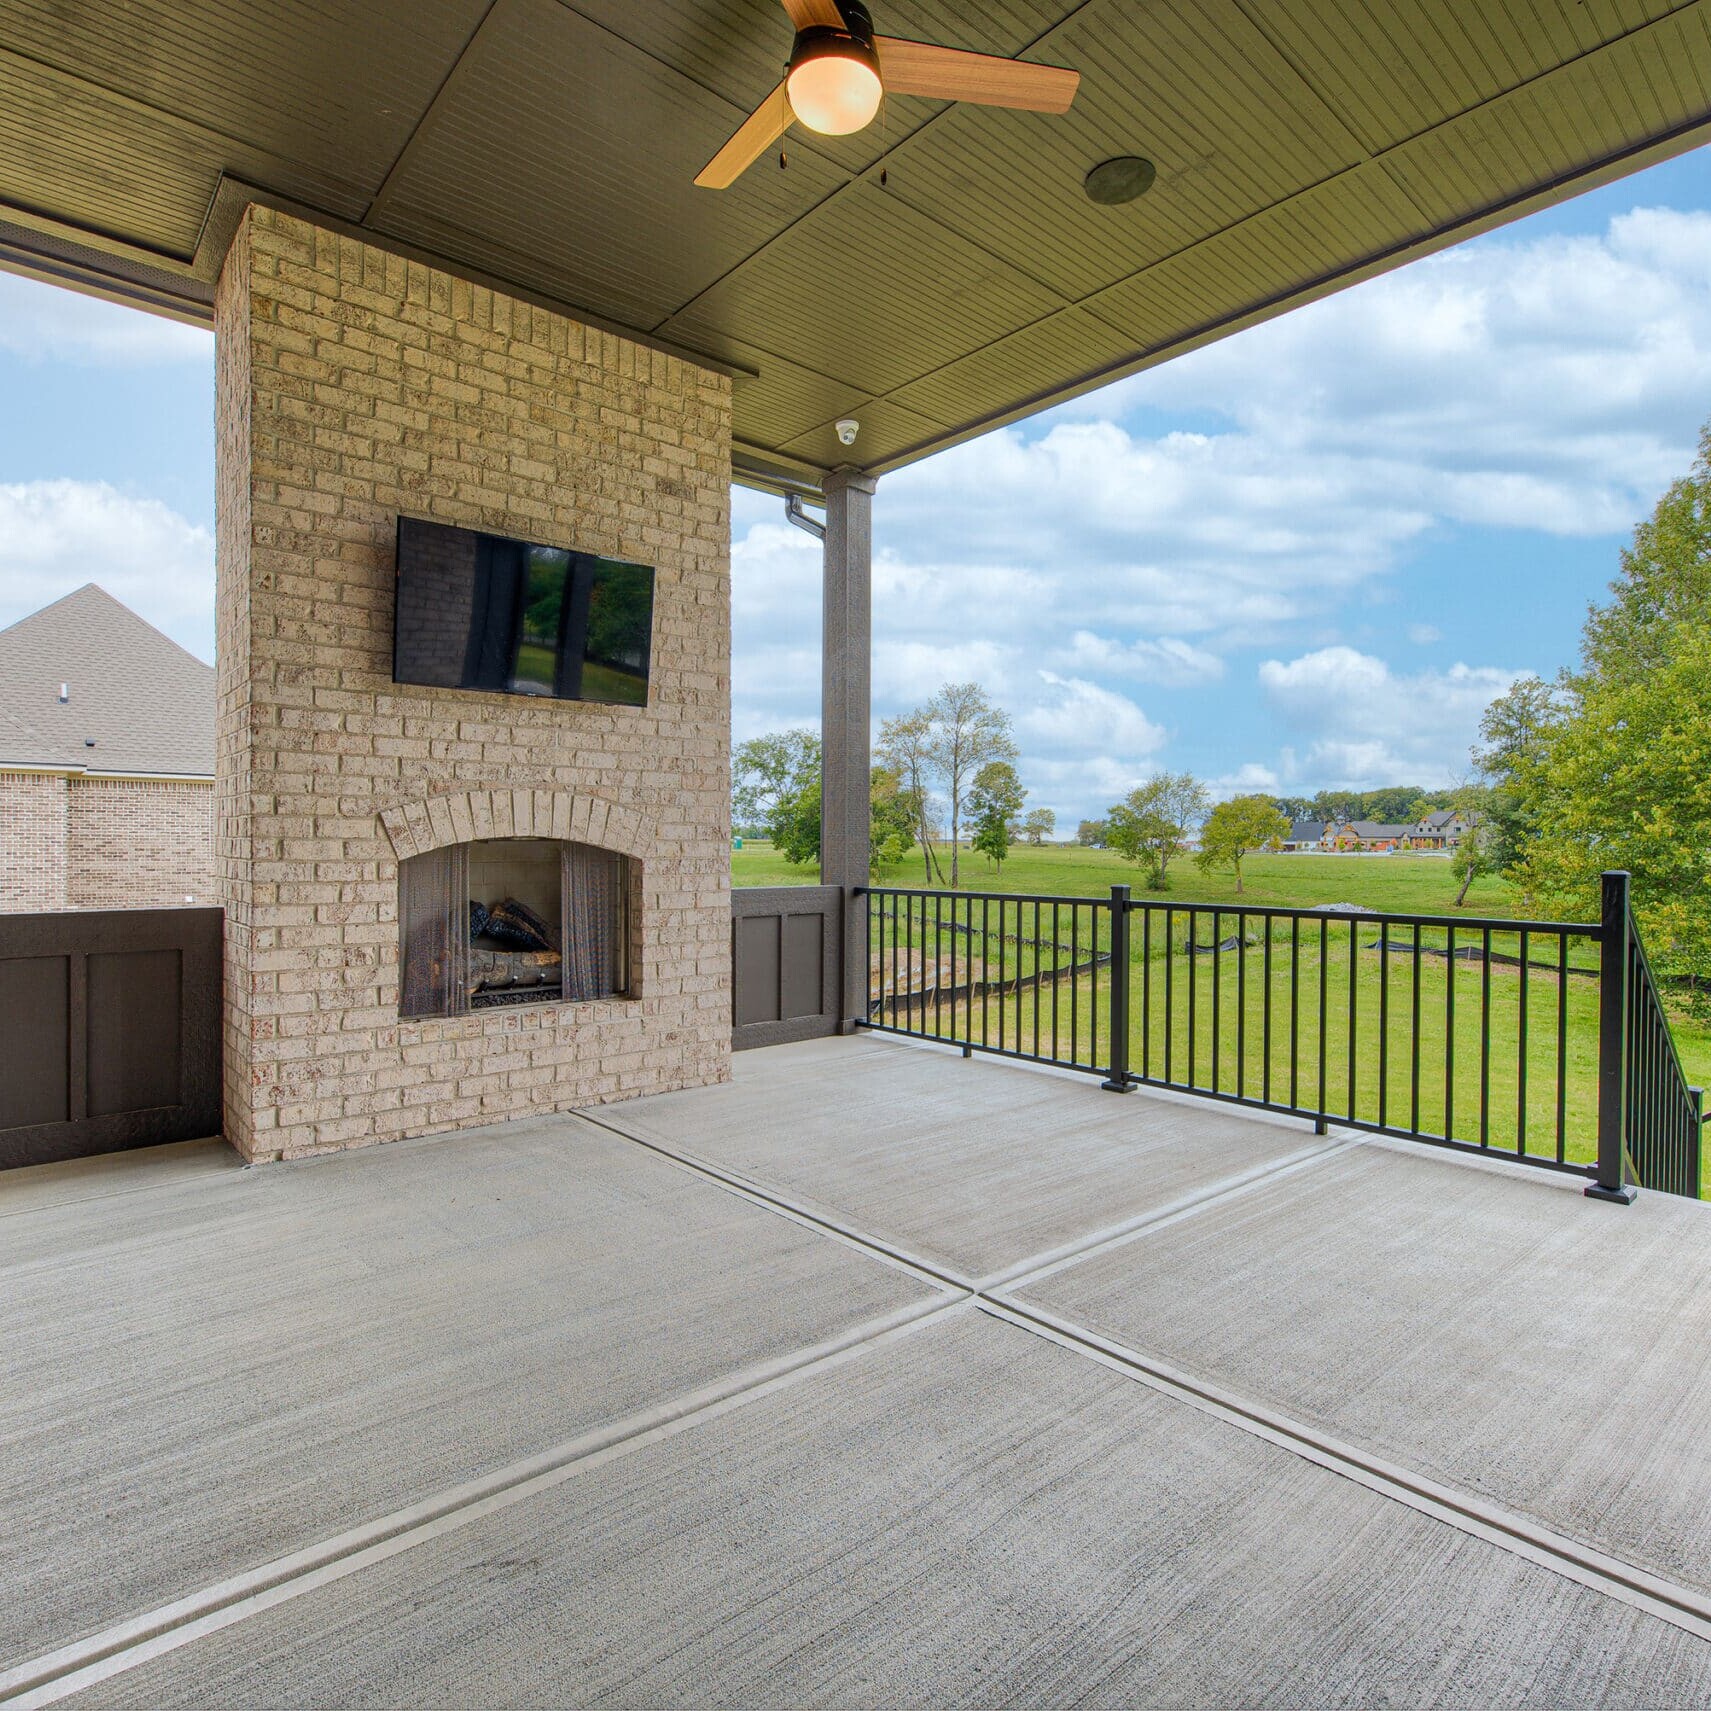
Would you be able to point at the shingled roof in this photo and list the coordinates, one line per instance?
(135, 700)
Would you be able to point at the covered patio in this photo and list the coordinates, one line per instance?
(872, 1377)
(631, 1370)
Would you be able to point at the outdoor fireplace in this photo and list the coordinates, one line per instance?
(502, 921)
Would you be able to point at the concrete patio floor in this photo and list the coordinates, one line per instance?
(875, 1378)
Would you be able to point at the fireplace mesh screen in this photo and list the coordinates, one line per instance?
(559, 931)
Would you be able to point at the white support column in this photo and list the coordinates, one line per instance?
(846, 716)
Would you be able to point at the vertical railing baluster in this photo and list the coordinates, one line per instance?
(1522, 1044)
(1057, 984)
(1324, 976)
(1384, 1026)
(1039, 945)
(1265, 1032)
(1093, 987)
(1450, 1036)
(1485, 1039)
(1217, 971)
(1117, 1080)
(1414, 1059)
(1169, 991)
(1295, 1012)
(1241, 1004)
(985, 968)
(938, 964)
(1354, 1005)
(1075, 982)
(1562, 1048)
(894, 1013)
(1610, 1181)
(1146, 992)
(1193, 994)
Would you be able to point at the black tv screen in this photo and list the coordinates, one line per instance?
(478, 611)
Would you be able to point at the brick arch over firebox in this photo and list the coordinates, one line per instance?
(461, 817)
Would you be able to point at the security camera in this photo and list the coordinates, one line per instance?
(848, 428)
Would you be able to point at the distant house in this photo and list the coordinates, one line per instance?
(1305, 835)
(1442, 829)
(1365, 835)
(106, 761)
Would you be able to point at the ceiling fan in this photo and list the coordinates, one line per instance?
(839, 69)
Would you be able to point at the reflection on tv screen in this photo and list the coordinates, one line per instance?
(479, 611)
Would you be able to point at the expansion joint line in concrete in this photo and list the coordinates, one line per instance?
(1028, 1270)
(126, 1645)
(1681, 1606)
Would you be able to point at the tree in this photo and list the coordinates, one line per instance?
(1624, 781)
(994, 805)
(1091, 834)
(891, 832)
(1235, 829)
(1474, 855)
(965, 733)
(1611, 766)
(904, 746)
(766, 769)
(1151, 824)
(1039, 825)
(794, 823)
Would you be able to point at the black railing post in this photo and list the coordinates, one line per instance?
(1611, 1182)
(1117, 1081)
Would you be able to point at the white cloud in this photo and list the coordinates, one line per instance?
(50, 323)
(1073, 711)
(1547, 383)
(1423, 635)
(1250, 779)
(1368, 725)
(1168, 660)
(57, 535)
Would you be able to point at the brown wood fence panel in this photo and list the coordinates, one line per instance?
(786, 946)
(109, 1031)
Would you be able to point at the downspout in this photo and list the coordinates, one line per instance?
(794, 513)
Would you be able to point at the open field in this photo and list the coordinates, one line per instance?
(1215, 1006)
(1419, 885)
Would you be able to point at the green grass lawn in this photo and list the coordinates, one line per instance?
(1419, 885)
(1398, 1055)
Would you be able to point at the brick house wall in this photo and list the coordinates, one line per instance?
(353, 387)
(69, 842)
(135, 843)
(33, 815)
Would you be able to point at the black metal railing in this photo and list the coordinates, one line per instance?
(1485, 1035)
(1662, 1115)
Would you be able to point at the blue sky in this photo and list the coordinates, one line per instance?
(1306, 556)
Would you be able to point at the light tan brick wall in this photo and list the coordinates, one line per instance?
(33, 817)
(139, 843)
(354, 386)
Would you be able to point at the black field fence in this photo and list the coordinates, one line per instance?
(1541, 1041)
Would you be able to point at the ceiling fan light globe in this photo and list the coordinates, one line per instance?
(834, 85)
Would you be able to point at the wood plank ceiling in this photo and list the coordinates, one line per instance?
(550, 147)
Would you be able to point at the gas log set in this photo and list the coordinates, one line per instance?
(510, 949)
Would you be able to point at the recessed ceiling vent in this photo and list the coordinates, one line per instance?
(1120, 179)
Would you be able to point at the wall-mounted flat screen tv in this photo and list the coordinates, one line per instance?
(478, 611)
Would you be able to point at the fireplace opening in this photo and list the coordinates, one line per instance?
(503, 921)
(515, 909)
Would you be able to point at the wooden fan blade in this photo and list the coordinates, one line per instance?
(950, 74)
(752, 138)
(805, 14)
